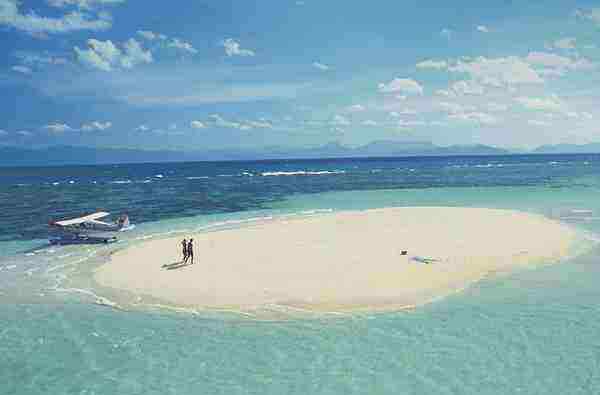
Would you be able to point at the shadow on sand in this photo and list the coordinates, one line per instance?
(175, 265)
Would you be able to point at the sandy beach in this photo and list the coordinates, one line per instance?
(339, 262)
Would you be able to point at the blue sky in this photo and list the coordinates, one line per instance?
(221, 74)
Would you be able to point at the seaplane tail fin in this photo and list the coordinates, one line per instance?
(123, 221)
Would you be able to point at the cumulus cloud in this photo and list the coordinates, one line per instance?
(96, 126)
(455, 108)
(432, 64)
(403, 124)
(565, 43)
(234, 48)
(32, 23)
(168, 42)
(150, 35)
(142, 128)
(104, 55)
(356, 108)
(498, 72)
(483, 29)
(340, 120)
(556, 64)
(134, 54)
(260, 124)
(182, 45)
(401, 85)
(542, 103)
(220, 122)
(57, 127)
(21, 69)
(536, 122)
(474, 117)
(369, 122)
(320, 66)
(446, 33)
(197, 125)
(467, 87)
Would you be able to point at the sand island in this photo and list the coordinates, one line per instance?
(342, 261)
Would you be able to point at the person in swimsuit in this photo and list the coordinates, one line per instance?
(190, 251)
(185, 251)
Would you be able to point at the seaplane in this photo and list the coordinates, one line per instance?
(87, 229)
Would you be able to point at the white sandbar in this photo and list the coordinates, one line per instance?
(340, 262)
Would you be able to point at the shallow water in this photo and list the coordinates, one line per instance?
(532, 332)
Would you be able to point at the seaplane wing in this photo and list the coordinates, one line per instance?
(82, 220)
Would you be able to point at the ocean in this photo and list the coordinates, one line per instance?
(531, 332)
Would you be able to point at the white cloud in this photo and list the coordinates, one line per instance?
(446, 33)
(369, 122)
(233, 48)
(403, 124)
(445, 93)
(432, 64)
(100, 54)
(401, 85)
(496, 107)
(96, 126)
(3, 132)
(220, 122)
(21, 69)
(142, 128)
(134, 54)
(483, 29)
(455, 108)
(467, 87)
(557, 64)
(32, 23)
(565, 43)
(260, 124)
(148, 34)
(498, 72)
(535, 122)
(408, 111)
(197, 125)
(24, 133)
(320, 66)
(542, 104)
(58, 127)
(85, 4)
(474, 117)
(340, 120)
(104, 55)
(356, 108)
(182, 45)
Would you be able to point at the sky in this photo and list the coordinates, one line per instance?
(203, 75)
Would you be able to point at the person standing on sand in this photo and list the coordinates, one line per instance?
(190, 251)
(185, 251)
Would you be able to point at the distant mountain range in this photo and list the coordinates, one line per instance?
(591, 148)
(64, 155)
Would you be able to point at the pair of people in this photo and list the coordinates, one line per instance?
(188, 251)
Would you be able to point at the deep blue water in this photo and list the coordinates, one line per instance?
(30, 197)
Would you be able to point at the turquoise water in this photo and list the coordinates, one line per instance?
(532, 332)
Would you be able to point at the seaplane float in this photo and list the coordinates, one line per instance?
(87, 229)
